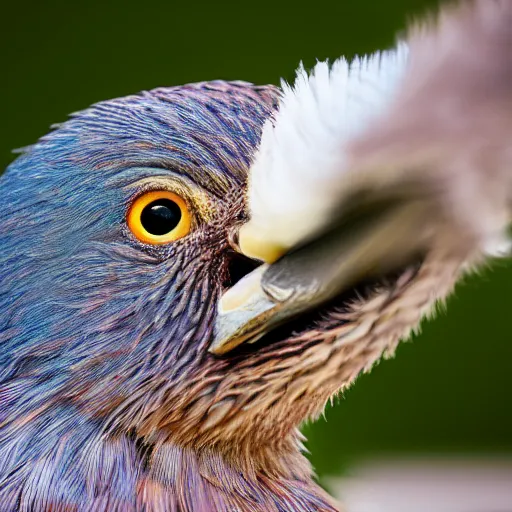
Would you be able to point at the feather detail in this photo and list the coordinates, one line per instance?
(449, 129)
(302, 154)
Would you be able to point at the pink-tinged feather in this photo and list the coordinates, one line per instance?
(448, 133)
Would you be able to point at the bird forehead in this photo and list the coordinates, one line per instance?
(207, 132)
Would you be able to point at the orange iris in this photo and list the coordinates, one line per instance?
(159, 217)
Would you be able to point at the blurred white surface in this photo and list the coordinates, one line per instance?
(427, 486)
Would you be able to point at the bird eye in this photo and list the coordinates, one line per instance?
(159, 217)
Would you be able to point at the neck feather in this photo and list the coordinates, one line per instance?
(89, 471)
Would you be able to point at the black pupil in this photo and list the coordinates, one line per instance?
(160, 217)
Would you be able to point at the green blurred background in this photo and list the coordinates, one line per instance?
(448, 390)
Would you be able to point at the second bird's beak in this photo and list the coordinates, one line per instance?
(372, 240)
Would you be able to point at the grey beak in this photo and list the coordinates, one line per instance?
(370, 242)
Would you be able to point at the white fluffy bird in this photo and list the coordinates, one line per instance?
(368, 166)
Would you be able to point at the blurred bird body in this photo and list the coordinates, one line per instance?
(110, 396)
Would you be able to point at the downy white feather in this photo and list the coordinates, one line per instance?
(300, 166)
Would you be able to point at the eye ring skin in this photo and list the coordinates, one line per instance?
(133, 218)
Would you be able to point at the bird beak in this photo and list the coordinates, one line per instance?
(369, 241)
